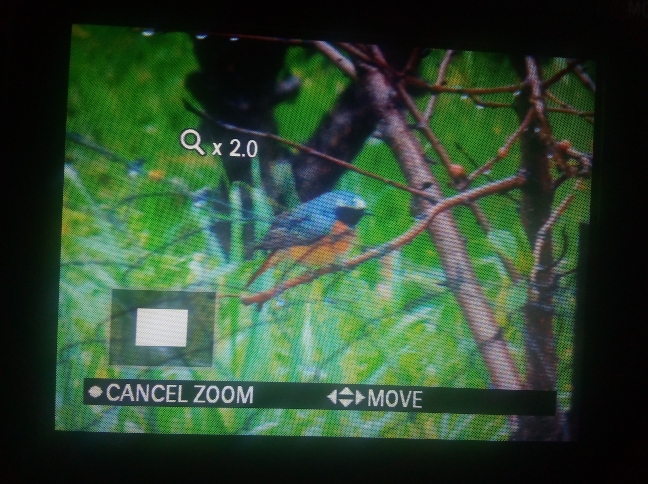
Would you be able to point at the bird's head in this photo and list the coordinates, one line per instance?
(349, 208)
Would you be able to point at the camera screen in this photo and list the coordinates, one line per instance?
(288, 237)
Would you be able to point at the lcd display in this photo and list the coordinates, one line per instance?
(270, 236)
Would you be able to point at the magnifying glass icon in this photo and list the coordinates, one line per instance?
(191, 146)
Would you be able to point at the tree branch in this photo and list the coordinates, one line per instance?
(475, 165)
(541, 239)
(487, 104)
(536, 144)
(351, 49)
(571, 65)
(443, 69)
(568, 108)
(446, 236)
(437, 89)
(482, 220)
(423, 126)
(584, 78)
(537, 96)
(503, 151)
(414, 60)
(342, 62)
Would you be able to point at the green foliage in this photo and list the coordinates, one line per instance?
(391, 321)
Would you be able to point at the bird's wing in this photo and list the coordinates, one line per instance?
(301, 227)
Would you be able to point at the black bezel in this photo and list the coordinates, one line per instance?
(611, 311)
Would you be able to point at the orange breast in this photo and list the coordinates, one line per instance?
(325, 250)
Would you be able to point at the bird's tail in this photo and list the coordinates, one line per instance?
(271, 260)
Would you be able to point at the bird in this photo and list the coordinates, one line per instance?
(314, 233)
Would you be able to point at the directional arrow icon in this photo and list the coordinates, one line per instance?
(346, 401)
(336, 397)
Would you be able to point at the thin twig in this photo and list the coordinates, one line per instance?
(342, 62)
(582, 114)
(537, 96)
(443, 69)
(584, 161)
(436, 88)
(503, 151)
(424, 127)
(445, 158)
(571, 65)
(474, 164)
(377, 54)
(414, 60)
(568, 108)
(559, 181)
(488, 104)
(585, 78)
(407, 237)
(351, 49)
(541, 239)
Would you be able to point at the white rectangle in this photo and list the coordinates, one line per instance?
(161, 327)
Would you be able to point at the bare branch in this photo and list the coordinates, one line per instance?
(488, 104)
(584, 161)
(413, 60)
(582, 114)
(500, 186)
(378, 55)
(444, 233)
(447, 162)
(445, 158)
(584, 78)
(425, 128)
(443, 69)
(541, 239)
(351, 49)
(537, 96)
(342, 62)
(568, 108)
(475, 165)
(559, 181)
(504, 150)
(536, 144)
(571, 65)
(437, 89)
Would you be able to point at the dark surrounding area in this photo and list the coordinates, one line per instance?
(612, 423)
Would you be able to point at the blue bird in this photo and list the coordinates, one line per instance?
(314, 233)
